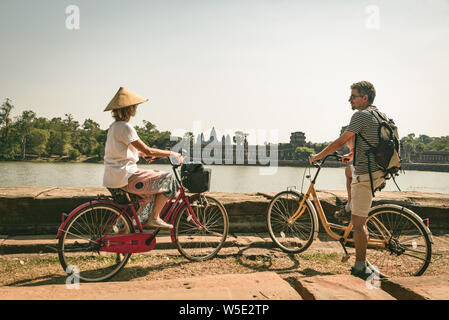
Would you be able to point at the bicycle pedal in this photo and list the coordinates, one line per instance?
(345, 258)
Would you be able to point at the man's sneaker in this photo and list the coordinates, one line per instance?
(362, 274)
(342, 215)
(375, 270)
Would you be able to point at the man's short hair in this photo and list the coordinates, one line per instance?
(365, 88)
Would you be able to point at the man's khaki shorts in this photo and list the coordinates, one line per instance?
(361, 196)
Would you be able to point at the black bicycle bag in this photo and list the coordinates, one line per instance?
(195, 178)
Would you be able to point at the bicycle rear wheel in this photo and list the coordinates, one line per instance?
(78, 249)
(292, 237)
(408, 248)
(197, 243)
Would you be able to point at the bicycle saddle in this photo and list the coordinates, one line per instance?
(120, 196)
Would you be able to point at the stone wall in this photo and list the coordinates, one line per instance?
(34, 210)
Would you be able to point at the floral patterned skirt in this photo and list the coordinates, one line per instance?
(146, 184)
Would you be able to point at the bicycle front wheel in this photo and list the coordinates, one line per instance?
(408, 246)
(292, 237)
(201, 241)
(79, 251)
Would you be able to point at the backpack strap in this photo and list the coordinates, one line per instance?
(370, 177)
(366, 141)
(370, 150)
(369, 161)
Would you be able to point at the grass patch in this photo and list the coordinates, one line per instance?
(321, 257)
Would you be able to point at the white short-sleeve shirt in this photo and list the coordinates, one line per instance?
(120, 156)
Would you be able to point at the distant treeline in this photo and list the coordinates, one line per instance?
(28, 134)
(409, 145)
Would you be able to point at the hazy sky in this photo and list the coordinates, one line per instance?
(246, 64)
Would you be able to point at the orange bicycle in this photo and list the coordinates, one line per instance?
(399, 244)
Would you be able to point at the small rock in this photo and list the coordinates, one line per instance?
(22, 262)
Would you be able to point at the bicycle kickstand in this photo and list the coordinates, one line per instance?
(346, 256)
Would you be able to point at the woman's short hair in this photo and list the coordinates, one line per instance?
(365, 88)
(124, 114)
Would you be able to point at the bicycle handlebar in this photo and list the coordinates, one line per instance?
(174, 165)
(150, 159)
(335, 154)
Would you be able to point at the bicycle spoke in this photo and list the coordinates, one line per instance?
(197, 243)
(89, 225)
(414, 256)
(405, 235)
(290, 237)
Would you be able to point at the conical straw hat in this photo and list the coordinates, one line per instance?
(124, 98)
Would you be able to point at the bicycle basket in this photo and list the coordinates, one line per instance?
(195, 178)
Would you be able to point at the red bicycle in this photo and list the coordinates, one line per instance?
(91, 244)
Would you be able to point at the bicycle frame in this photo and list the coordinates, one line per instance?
(311, 192)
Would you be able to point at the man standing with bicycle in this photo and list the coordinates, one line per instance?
(362, 123)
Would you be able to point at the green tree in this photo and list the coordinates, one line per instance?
(303, 153)
(439, 144)
(87, 144)
(163, 140)
(58, 143)
(148, 133)
(99, 151)
(5, 120)
(37, 141)
(24, 125)
(419, 146)
(71, 126)
(408, 146)
(9, 147)
(318, 147)
(424, 139)
(88, 137)
(91, 126)
(74, 153)
(42, 123)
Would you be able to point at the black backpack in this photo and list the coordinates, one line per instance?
(387, 152)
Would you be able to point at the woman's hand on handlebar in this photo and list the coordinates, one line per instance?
(149, 159)
(179, 160)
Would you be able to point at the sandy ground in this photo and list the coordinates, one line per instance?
(322, 258)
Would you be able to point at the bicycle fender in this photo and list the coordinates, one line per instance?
(410, 212)
(66, 218)
(315, 217)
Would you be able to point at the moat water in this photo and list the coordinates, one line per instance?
(224, 178)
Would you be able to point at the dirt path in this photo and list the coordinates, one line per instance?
(246, 256)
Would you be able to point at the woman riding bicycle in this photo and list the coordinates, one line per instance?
(122, 151)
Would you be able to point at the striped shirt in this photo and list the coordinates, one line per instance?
(364, 123)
